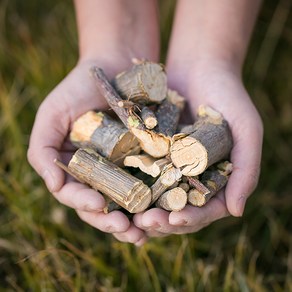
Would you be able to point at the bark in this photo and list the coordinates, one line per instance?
(155, 144)
(144, 83)
(168, 113)
(148, 117)
(213, 181)
(210, 142)
(126, 190)
(167, 179)
(105, 135)
(172, 200)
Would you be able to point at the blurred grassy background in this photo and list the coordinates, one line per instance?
(45, 247)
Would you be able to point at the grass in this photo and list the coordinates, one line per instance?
(45, 247)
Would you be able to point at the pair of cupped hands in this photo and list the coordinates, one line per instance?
(216, 84)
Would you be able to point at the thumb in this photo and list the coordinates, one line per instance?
(246, 157)
(48, 133)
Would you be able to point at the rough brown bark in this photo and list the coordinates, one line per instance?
(168, 113)
(126, 190)
(144, 83)
(148, 117)
(168, 178)
(213, 181)
(172, 200)
(210, 142)
(155, 144)
(105, 135)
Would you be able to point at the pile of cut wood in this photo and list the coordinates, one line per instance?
(145, 158)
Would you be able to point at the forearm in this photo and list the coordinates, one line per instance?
(113, 28)
(211, 31)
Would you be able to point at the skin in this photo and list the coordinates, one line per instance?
(207, 49)
(206, 52)
(133, 33)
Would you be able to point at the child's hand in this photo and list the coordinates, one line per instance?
(75, 95)
(217, 86)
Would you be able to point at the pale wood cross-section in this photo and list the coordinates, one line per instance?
(172, 200)
(212, 181)
(167, 179)
(105, 135)
(210, 142)
(147, 164)
(155, 144)
(144, 83)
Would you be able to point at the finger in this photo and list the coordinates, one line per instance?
(155, 222)
(45, 142)
(113, 222)
(151, 219)
(80, 197)
(132, 235)
(199, 217)
(246, 158)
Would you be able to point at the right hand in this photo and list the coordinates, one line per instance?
(74, 96)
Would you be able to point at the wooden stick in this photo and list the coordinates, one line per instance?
(148, 118)
(112, 98)
(110, 206)
(146, 163)
(172, 200)
(210, 142)
(144, 83)
(168, 178)
(105, 135)
(168, 113)
(155, 144)
(184, 186)
(213, 181)
(126, 190)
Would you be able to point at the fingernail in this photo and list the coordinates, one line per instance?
(240, 205)
(152, 226)
(49, 180)
(179, 222)
(141, 242)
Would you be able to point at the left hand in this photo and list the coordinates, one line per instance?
(220, 87)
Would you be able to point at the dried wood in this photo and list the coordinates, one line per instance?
(148, 117)
(168, 113)
(155, 144)
(213, 180)
(126, 190)
(144, 83)
(168, 178)
(172, 200)
(146, 163)
(105, 135)
(210, 142)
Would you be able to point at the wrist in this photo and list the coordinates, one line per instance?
(181, 73)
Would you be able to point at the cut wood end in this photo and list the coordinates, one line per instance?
(152, 143)
(173, 200)
(142, 199)
(170, 176)
(137, 61)
(195, 198)
(127, 145)
(154, 79)
(189, 155)
(176, 99)
(225, 168)
(214, 116)
(145, 163)
(85, 125)
(150, 122)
